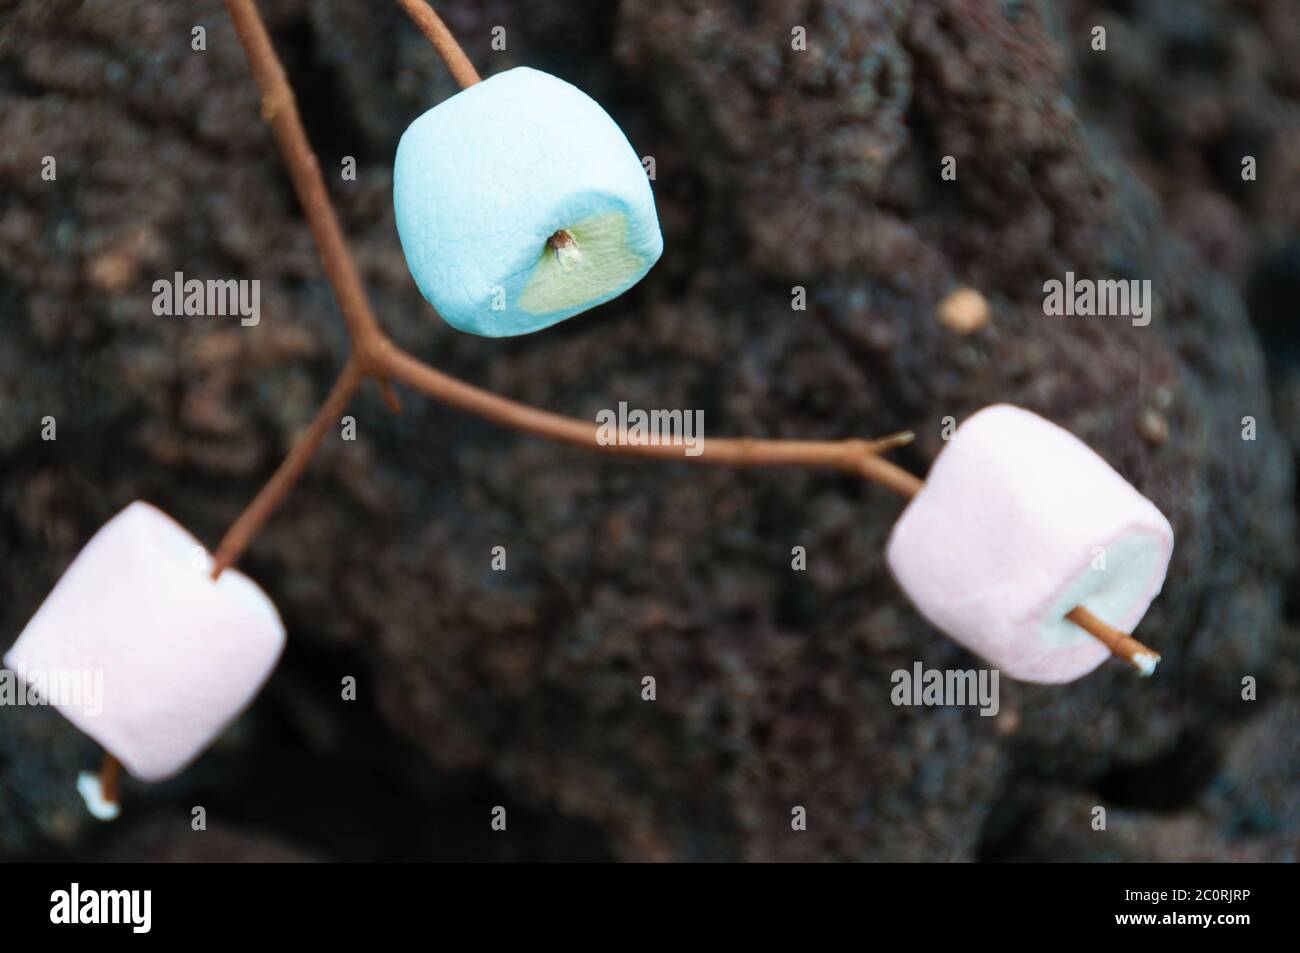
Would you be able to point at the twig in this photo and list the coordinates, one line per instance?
(110, 775)
(280, 111)
(859, 457)
(431, 25)
(1119, 642)
(253, 518)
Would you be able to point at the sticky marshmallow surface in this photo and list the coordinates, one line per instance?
(1019, 522)
(180, 654)
(484, 179)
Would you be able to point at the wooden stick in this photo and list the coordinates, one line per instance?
(1119, 642)
(110, 773)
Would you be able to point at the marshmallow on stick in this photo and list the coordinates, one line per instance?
(520, 203)
(1019, 525)
(165, 655)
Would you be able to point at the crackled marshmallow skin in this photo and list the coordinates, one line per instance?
(484, 179)
(180, 654)
(1008, 535)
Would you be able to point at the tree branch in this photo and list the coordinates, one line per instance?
(280, 111)
(856, 456)
(254, 517)
(431, 26)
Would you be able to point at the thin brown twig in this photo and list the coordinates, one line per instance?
(1118, 641)
(110, 779)
(280, 111)
(375, 356)
(856, 456)
(443, 41)
(254, 517)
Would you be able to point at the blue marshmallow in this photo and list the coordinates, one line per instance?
(520, 203)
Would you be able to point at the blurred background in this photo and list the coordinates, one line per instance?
(774, 168)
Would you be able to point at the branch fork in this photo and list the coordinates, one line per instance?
(374, 356)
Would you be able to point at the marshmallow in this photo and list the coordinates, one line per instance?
(1018, 523)
(165, 657)
(484, 179)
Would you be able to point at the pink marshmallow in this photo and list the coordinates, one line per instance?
(177, 656)
(1018, 523)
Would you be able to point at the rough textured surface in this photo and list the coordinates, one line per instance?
(774, 169)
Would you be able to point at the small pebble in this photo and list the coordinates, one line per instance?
(1007, 722)
(964, 311)
(1153, 426)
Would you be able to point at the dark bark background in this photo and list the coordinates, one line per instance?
(774, 169)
